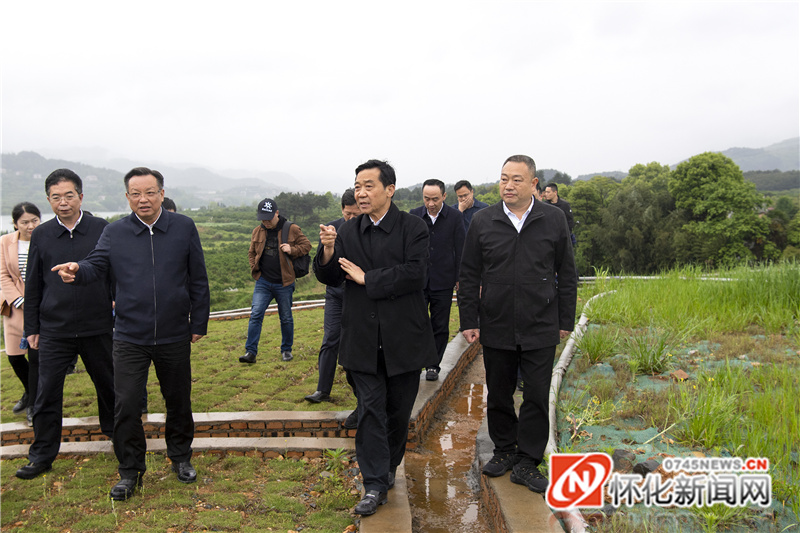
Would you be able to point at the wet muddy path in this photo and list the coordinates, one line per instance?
(442, 491)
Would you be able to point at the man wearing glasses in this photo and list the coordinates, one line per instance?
(162, 307)
(63, 321)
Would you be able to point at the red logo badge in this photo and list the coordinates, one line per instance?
(577, 479)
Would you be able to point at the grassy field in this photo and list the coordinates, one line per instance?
(235, 493)
(220, 382)
(738, 344)
(231, 494)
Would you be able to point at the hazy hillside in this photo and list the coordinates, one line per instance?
(24, 174)
(614, 174)
(784, 155)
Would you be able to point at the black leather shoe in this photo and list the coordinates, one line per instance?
(32, 470)
(29, 416)
(351, 422)
(125, 488)
(370, 502)
(319, 396)
(249, 357)
(432, 374)
(21, 405)
(186, 472)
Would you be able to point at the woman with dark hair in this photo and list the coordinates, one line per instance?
(13, 266)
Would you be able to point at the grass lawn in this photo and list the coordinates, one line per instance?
(220, 382)
(231, 494)
(684, 367)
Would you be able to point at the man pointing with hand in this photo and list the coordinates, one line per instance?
(162, 306)
(386, 335)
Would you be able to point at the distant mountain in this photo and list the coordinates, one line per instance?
(23, 176)
(783, 156)
(614, 174)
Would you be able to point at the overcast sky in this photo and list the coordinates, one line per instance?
(442, 90)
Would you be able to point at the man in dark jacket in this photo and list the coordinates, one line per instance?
(271, 266)
(446, 234)
(63, 321)
(386, 335)
(162, 306)
(517, 295)
(551, 196)
(467, 203)
(334, 299)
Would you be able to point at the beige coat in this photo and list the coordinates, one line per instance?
(12, 287)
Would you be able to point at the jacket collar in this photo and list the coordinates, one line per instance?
(162, 224)
(499, 214)
(386, 224)
(444, 212)
(81, 228)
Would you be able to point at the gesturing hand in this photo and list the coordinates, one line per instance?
(353, 271)
(66, 271)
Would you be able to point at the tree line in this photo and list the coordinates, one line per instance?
(701, 213)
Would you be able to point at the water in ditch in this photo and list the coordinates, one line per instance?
(443, 493)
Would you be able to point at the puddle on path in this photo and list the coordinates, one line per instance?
(443, 495)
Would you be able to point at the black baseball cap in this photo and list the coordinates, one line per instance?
(266, 209)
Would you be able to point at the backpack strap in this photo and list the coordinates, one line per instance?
(285, 239)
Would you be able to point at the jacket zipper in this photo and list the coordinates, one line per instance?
(155, 302)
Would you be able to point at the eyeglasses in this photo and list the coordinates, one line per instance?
(150, 195)
(56, 198)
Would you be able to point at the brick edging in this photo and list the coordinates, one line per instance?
(274, 424)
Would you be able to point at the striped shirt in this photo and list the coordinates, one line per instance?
(22, 255)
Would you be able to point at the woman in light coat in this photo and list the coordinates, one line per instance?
(13, 264)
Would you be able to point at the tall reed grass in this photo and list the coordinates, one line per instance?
(687, 299)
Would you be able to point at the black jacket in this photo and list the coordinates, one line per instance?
(57, 309)
(567, 209)
(446, 245)
(508, 286)
(389, 310)
(161, 282)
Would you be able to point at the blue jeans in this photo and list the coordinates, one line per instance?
(263, 294)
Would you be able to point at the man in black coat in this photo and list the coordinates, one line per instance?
(386, 335)
(551, 196)
(517, 295)
(63, 321)
(446, 232)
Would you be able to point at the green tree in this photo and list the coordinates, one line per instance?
(639, 223)
(561, 177)
(723, 226)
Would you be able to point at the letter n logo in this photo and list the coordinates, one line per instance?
(577, 479)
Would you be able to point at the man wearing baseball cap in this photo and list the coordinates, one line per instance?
(270, 266)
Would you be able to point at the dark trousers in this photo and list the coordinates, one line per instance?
(527, 435)
(384, 409)
(55, 356)
(329, 351)
(174, 372)
(33, 375)
(439, 304)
